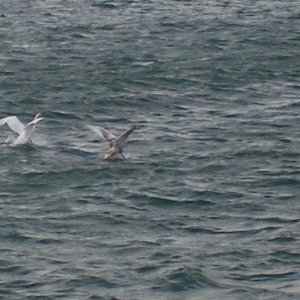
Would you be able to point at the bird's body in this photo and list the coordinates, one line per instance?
(24, 131)
(116, 144)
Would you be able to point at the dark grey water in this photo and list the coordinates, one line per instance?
(207, 206)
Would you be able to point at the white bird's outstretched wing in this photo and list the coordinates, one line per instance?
(13, 123)
(102, 133)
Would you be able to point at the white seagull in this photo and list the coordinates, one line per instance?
(116, 144)
(24, 131)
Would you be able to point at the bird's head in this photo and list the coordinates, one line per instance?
(37, 116)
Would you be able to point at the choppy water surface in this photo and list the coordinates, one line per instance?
(207, 205)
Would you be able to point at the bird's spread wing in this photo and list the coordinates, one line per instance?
(102, 133)
(123, 137)
(13, 123)
(107, 135)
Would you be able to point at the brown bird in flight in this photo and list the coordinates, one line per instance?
(116, 144)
